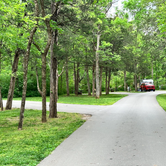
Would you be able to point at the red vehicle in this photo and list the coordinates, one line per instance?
(147, 87)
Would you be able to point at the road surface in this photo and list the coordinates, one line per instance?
(132, 132)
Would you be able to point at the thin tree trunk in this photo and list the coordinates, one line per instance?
(88, 83)
(54, 64)
(38, 86)
(125, 86)
(53, 78)
(106, 81)
(135, 81)
(1, 102)
(44, 54)
(135, 76)
(101, 71)
(93, 84)
(12, 80)
(152, 70)
(67, 78)
(97, 67)
(109, 79)
(77, 78)
(57, 78)
(44, 119)
(26, 60)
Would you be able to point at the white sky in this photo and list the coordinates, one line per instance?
(114, 6)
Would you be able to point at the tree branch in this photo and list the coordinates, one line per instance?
(37, 78)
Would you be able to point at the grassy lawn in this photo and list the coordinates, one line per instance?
(162, 100)
(82, 99)
(37, 140)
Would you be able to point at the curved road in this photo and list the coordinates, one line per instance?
(132, 132)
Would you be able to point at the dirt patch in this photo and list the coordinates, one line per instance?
(86, 116)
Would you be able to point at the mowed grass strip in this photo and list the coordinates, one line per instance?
(37, 140)
(82, 99)
(162, 100)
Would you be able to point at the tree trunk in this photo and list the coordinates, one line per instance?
(44, 119)
(37, 78)
(135, 76)
(106, 81)
(75, 81)
(109, 79)
(88, 82)
(26, 60)
(44, 54)
(77, 77)
(53, 78)
(55, 6)
(67, 78)
(97, 68)
(135, 82)
(57, 78)
(12, 80)
(125, 80)
(152, 70)
(1, 102)
(93, 85)
(101, 70)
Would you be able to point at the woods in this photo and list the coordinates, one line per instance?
(76, 47)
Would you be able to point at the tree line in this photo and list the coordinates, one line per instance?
(77, 45)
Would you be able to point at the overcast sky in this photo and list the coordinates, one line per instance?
(114, 6)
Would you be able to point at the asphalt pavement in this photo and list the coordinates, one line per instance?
(131, 132)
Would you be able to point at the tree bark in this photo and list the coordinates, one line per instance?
(38, 86)
(125, 80)
(101, 70)
(93, 84)
(55, 7)
(76, 78)
(53, 78)
(12, 80)
(135, 76)
(26, 60)
(1, 102)
(44, 54)
(109, 79)
(106, 81)
(135, 82)
(44, 119)
(67, 78)
(97, 68)
(88, 82)
(152, 69)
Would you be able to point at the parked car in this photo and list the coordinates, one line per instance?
(147, 87)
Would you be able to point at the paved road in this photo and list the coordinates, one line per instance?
(132, 132)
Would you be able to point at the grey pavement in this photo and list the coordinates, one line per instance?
(132, 132)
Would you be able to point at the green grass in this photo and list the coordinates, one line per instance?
(37, 140)
(162, 100)
(82, 99)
